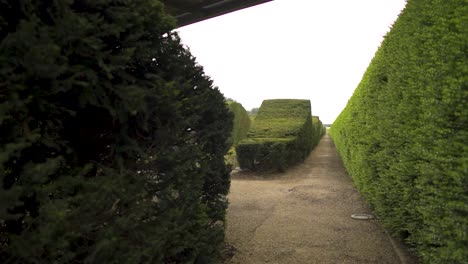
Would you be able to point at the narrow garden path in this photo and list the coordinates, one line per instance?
(303, 216)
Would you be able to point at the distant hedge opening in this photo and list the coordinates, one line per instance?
(403, 134)
(112, 139)
(280, 136)
(318, 130)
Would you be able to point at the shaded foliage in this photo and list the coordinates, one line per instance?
(112, 139)
(241, 122)
(318, 130)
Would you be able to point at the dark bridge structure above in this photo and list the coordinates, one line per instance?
(191, 11)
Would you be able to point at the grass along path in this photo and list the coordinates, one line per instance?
(303, 216)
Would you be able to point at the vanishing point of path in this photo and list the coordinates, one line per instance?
(303, 216)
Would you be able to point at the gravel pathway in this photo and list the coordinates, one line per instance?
(303, 216)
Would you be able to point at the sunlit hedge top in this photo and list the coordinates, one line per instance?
(316, 120)
(280, 118)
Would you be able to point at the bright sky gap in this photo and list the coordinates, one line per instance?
(299, 49)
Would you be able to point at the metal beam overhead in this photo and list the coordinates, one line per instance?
(191, 11)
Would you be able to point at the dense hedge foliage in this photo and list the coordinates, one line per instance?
(241, 122)
(280, 136)
(112, 139)
(403, 135)
(318, 130)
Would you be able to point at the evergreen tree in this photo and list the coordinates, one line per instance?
(112, 139)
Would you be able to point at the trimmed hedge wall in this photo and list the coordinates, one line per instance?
(241, 122)
(318, 130)
(112, 139)
(280, 136)
(403, 135)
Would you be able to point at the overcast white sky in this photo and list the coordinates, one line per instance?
(302, 49)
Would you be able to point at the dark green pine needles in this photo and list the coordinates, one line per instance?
(112, 139)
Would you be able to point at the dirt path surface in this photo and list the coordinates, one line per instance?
(303, 216)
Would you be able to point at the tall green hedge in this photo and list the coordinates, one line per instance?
(403, 136)
(112, 139)
(318, 130)
(241, 122)
(280, 136)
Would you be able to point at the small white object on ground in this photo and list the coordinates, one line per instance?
(362, 216)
